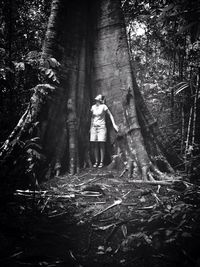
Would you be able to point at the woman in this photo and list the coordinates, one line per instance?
(98, 129)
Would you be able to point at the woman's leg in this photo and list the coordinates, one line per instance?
(96, 152)
(102, 151)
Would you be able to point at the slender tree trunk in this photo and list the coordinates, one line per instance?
(195, 110)
(182, 127)
(9, 19)
(187, 145)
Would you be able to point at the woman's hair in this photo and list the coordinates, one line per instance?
(100, 98)
(103, 101)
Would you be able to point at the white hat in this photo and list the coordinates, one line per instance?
(99, 98)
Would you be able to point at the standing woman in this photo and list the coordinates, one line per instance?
(98, 131)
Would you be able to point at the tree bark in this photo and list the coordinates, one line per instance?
(89, 39)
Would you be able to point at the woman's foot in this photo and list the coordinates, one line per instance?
(95, 165)
(101, 165)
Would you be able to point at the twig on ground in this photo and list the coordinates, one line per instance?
(116, 202)
(190, 184)
(89, 181)
(157, 198)
(30, 192)
(16, 254)
(58, 214)
(147, 208)
(81, 176)
(151, 177)
(90, 194)
(129, 204)
(103, 228)
(45, 204)
(97, 202)
(65, 196)
(126, 194)
(72, 255)
(86, 182)
(123, 172)
(158, 190)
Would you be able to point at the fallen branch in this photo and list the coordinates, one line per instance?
(116, 202)
(96, 202)
(103, 228)
(32, 195)
(89, 181)
(158, 190)
(129, 204)
(81, 176)
(126, 194)
(123, 172)
(30, 192)
(58, 214)
(147, 208)
(156, 197)
(90, 194)
(155, 182)
(45, 204)
(64, 196)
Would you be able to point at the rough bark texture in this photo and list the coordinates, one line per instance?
(112, 76)
(89, 39)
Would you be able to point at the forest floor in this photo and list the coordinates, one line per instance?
(98, 218)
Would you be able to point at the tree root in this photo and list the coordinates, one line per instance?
(130, 168)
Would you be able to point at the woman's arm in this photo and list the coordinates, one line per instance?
(113, 121)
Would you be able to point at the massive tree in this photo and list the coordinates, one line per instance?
(88, 39)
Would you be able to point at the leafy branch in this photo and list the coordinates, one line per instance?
(47, 67)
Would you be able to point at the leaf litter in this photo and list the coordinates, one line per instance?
(98, 218)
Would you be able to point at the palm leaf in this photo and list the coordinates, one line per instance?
(180, 87)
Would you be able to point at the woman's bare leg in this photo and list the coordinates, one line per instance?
(102, 151)
(96, 152)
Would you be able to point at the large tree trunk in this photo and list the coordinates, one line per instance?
(89, 39)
